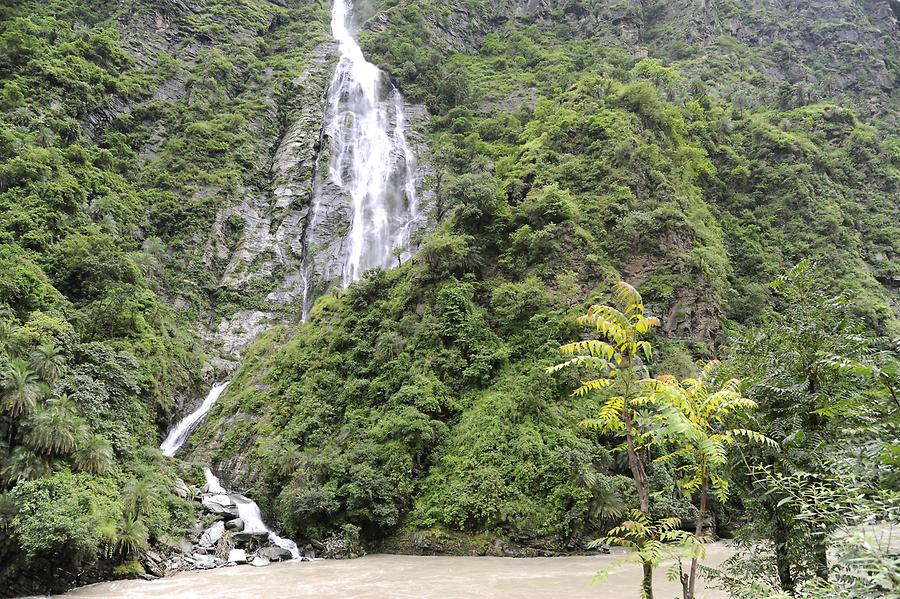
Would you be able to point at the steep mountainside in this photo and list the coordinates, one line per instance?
(572, 145)
(159, 160)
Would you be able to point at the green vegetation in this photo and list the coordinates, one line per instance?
(569, 148)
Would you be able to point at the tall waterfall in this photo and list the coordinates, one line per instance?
(371, 159)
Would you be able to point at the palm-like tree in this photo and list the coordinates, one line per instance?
(20, 389)
(605, 504)
(56, 428)
(132, 536)
(7, 336)
(48, 362)
(696, 414)
(23, 464)
(616, 358)
(94, 454)
(137, 498)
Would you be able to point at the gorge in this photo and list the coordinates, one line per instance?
(296, 277)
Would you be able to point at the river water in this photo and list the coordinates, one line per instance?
(383, 576)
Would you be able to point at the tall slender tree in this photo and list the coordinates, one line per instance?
(617, 357)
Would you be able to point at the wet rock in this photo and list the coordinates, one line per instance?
(259, 562)
(250, 538)
(236, 525)
(212, 534)
(238, 556)
(273, 553)
(203, 562)
(181, 489)
(153, 564)
(220, 505)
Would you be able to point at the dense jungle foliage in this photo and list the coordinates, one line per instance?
(754, 210)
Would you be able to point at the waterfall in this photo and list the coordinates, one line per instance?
(178, 435)
(373, 166)
(371, 159)
(249, 512)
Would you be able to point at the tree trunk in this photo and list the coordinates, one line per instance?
(637, 468)
(820, 554)
(698, 532)
(643, 489)
(647, 583)
(782, 559)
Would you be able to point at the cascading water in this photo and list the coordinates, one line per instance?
(371, 163)
(371, 160)
(178, 435)
(249, 512)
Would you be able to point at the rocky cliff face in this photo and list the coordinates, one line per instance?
(842, 50)
(243, 271)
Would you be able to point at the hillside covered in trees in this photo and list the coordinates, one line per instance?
(735, 163)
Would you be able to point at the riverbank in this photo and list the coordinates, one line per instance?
(383, 576)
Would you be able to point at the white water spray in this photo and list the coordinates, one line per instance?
(178, 435)
(249, 512)
(371, 159)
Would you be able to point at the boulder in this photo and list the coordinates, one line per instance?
(238, 556)
(236, 525)
(181, 489)
(250, 538)
(259, 562)
(220, 505)
(204, 562)
(212, 534)
(274, 553)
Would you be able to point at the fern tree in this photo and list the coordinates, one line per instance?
(698, 415)
(614, 360)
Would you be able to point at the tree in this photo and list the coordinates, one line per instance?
(20, 389)
(698, 416)
(617, 358)
(807, 403)
(23, 464)
(94, 454)
(132, 537)
(56, 428)
(137, 498)
(48, 362)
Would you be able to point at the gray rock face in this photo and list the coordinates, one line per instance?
(212, 534)
(181, 489)
(220, 505)
(238, 556)
(236, 525)
(250, 539)
(274, 553)
(203, 562)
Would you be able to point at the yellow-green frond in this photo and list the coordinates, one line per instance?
(592, 385)
(628, 298)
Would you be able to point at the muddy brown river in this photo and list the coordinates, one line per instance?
(382, 576)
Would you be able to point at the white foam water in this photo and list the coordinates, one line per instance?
(178, 435)
(371, 159)
(249, 512)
